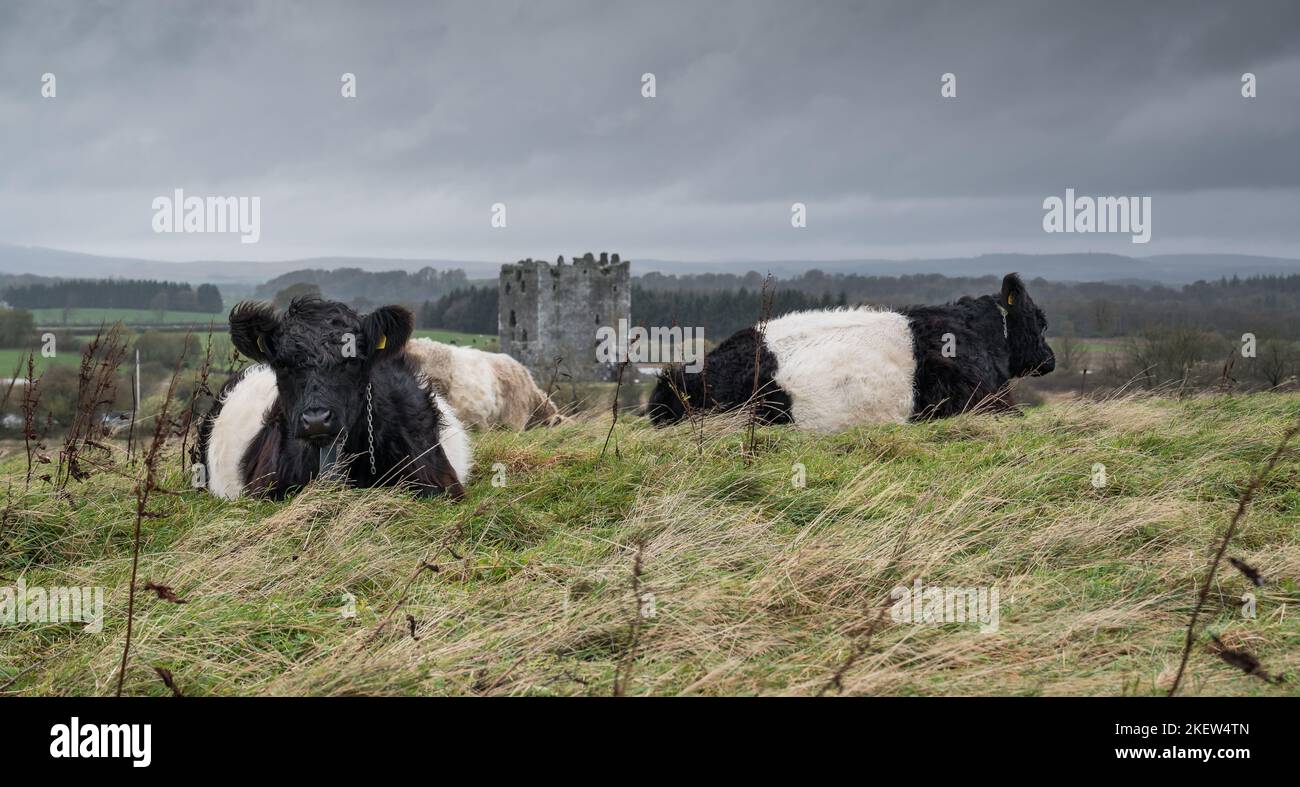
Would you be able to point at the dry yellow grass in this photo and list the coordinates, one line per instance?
(759, 586)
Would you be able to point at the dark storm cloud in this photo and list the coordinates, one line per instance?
(537, 105)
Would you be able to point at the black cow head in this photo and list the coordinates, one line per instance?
(1026, 330)
(665, 405)
(322, 353)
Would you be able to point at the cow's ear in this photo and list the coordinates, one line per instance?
(252, 329)
(387, 329)
(1013, 290)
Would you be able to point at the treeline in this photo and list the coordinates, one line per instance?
(722, 313)
(17, 328)
(474, 309)
(365, 290)
(1229, 305)
(8, 280)
(470, 310)
(1267, 306)
(115, 294)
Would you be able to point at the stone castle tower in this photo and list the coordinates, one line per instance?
(550, 313)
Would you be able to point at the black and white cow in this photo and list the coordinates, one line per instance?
(329, 384)
(829, 370)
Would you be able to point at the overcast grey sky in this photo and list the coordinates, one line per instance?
(538, 105)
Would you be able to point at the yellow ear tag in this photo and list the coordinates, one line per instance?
(1011, 299)
(383, 342)
(260, 345)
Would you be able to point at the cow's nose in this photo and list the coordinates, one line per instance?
(316, 422)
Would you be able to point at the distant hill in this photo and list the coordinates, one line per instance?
(1113, 268)
(376, 288)
(1161, 268)
(69, 264)
(8, 280)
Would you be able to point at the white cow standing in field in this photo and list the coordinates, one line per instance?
(485, 389)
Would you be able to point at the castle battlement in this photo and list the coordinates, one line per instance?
(549, 313)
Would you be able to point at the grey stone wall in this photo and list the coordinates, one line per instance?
(549, 313)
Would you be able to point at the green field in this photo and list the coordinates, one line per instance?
(482, 341)
(752, 576)
(9, 359)
(71, 356)
(93, 317)
(221, 347)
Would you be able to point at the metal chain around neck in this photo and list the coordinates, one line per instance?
(1005, 333)
(370, 428)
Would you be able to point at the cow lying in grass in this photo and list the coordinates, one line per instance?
(829, 370)
(331, 393)
(485, 389)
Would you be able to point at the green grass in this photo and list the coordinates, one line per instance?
(71, 356)
(220, 347)
(1099, 346)
(760, 585)
(9, 359)
(93, 317)
(481, 341)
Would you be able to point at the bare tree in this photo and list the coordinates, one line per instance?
(1069, 351)
(1278, 361)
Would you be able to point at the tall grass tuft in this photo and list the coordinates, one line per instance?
(1243, 504)
(96, 389)
(143, 487)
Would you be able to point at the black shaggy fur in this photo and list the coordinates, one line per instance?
(985, 360)
(725, 383)
(314, 373)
